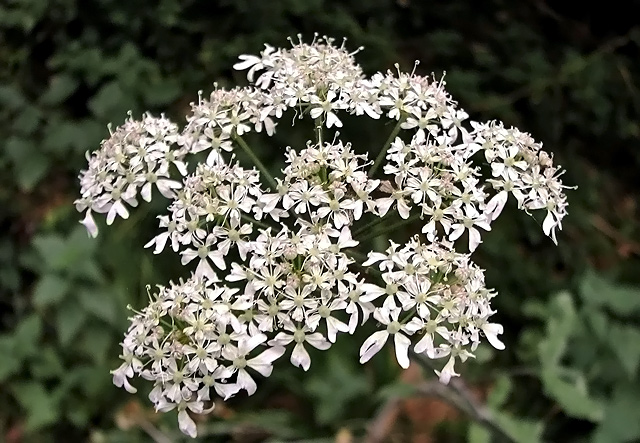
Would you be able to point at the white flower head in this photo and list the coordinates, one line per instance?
(282, 264)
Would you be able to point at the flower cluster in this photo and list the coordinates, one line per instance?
(281, 264)
(136, 157)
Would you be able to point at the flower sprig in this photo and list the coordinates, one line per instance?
(281, 264)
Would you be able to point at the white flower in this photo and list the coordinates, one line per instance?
(448, 371)
(326, 107)
(376, 341)
(468, 221)
(127, 370)
(296, 273)
(300, 357)
(261, 363)
(333, 324)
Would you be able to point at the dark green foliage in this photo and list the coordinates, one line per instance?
(571, 313)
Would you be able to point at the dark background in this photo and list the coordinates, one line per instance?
(567, 74)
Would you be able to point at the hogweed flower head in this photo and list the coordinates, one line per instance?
(279, 265)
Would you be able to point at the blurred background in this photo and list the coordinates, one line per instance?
(571, 313)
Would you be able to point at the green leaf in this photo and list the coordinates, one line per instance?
(335, 388)
(27, 121)
(521, 430)
(26, 336)
(10, 364)
(64, 254)
(397, 389)
(11, 97)
(598, 321)
(500, 392)
(30, 164)
(47, 364)
(624, 341)
(95, 380)
(95, 341)
(40, 405)
(49, 290)
(59, 136)
(61, 86)
(621, 421)
(573, 398)
(161, 91)
(561, 316)
(69, 320)
(50, 247)
(99, 303)
(600, 292)
(478, 434)
(108, 100)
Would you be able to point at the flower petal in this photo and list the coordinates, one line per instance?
(402, 344)
(372, 345)
(187, 425)
(300, 357)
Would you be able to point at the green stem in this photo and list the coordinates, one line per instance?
(372, 224)
(390, 228)
(256, 161)
(255, 222)
(383, 152)
(318, 123)
(457, 394)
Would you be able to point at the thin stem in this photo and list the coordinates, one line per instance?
(256, 161)
(318, 123)
(457, 394)
(390, 227)
(372, 224)
(255, 222)
(383, 152)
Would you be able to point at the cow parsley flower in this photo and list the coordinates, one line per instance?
(276, 265)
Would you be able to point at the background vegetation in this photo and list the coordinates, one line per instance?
(572, 313)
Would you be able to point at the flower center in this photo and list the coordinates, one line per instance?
(394, 327)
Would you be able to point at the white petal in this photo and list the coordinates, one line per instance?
(121, 209)
(146, 192)
(188, 255)
(492, 330)
(496, 205)
(371, 292)
(262, 363)
(218, 259)
(90, 224)
(548, 223)
(111, 215)
(226, 390)
(448, 371)
(333, 120)
(247, 62)
(182, 168)
(300, 357)
(456, 233)
(166, 187)
(474, 239)
(315, 112)
(425, 344)
(372, 345)
(402, 349)
(187, 425)
(318, 341)
(246, 382)
(246, 346)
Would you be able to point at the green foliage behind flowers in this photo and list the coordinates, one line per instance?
(67, 68)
